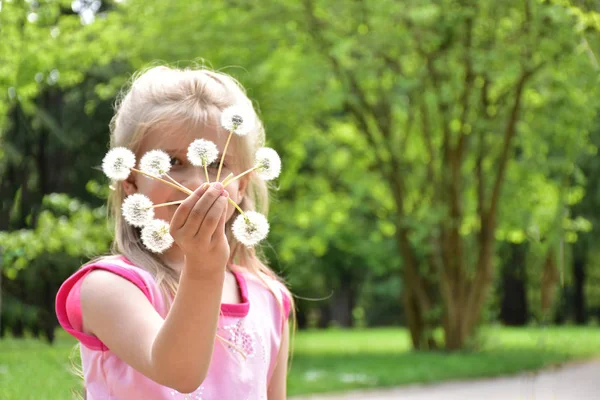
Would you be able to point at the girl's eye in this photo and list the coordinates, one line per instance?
(175, 161)
(215, 165)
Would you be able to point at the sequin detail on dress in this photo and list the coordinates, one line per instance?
(242, 338)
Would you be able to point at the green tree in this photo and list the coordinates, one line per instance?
(440, 90)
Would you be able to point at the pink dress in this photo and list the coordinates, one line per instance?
(255, 325)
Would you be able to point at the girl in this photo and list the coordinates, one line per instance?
(206, 319)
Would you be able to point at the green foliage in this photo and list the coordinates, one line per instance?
(66, 226)
(45, 44)
(35, 262)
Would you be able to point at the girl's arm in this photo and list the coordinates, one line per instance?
(277, 387)
(174, 352)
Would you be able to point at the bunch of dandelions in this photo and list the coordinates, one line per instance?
(249, 227)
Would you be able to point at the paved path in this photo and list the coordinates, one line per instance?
(579, 381)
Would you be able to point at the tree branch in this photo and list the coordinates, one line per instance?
(480, 156)
(468, 83)
(364, 127)
(426, 131)
(488, 223)
(509, 133)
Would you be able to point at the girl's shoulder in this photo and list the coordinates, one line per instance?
(118, 265)
(68, 302)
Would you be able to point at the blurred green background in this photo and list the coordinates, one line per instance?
(440, 174)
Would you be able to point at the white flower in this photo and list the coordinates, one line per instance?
(202, 152)
(251, 228)
(117, 163)
(239, 119)
(156, 162)
(137, 210)
(268, 162)
(156, 236)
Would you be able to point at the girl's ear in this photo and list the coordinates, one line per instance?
(129, 185)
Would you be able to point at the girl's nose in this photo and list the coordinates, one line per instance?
(194, 178)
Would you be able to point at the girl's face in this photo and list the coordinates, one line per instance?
(175, 143)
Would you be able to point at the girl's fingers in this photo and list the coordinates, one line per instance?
(220, 229)
(200, 209)
(184, 209)
(213, 216)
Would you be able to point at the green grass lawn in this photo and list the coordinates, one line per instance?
(332, 360)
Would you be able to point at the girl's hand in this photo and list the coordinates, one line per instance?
(198, 228)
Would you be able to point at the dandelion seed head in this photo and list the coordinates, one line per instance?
(202, 152)
(156, 162)
(268, 162)
(239, 119)
(137, 210)
(156, 236)
(251, 228)
(117, 163)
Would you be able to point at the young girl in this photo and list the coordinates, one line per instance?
(206, 319)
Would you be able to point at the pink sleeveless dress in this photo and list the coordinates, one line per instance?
(255, 325)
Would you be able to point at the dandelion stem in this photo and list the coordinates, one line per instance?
(240, 175)
(224, 152)
(233, 345)
(206, 173)
(236, 206)
(227, 178)
(175, 182)
(171, 203)
(183, 189)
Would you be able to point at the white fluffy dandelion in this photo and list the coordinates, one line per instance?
(239, 119)
(156, 162)
(117, 163)
(202, 152)
(268, 163)
(156, 236)
(137, 210)
(251, 228)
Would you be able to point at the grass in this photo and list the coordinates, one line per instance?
(332, 360)
(32, 369)
(343, 360)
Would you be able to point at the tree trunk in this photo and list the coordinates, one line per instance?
(454, 333)
(416, 298)
(550, 277)
(513, 308)
(18, 329)
(579, 275)
(324, 316)
(417, 324)
(301, 320)
(343, 304)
